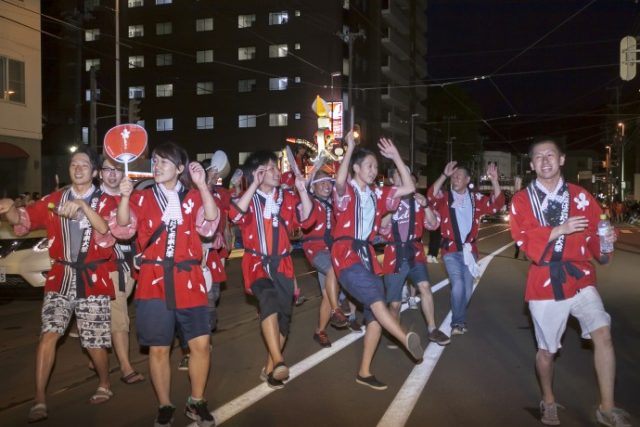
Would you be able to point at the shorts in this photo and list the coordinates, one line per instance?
(119, 307)
(275, 296)
(93, 315)
(550, 317)
(157, 325)
(364, 286)
(322, 263)
(393, 282)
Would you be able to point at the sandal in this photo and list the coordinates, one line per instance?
(38, 412)
(132, 378)
(101, 395)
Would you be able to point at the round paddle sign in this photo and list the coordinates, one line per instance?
(125, 143)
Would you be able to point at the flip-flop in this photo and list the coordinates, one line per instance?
(38, 412)
(100, 396)
(133, 378)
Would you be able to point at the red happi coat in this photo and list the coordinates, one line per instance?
(414, 239)
(100, 257)
(255, 229)
(219, 251)
(483, 206)
(533, 238)
(317, 234)
(188, 282)
(343, 254)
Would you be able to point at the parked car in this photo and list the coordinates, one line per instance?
(24, 260)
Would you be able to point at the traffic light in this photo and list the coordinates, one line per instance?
(628, 59)
(134, 110)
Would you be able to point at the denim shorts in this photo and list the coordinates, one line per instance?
(364, 286)
(393, 282)
(322, 263)
(157, 325)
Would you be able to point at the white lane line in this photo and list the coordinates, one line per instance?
(622, 230)
(242, 402)
(402, 405)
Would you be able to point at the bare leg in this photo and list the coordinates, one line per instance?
(100, 359)
(270, 363)
(371, 340)
(605, 364)
(426, 300)
(394, 309)
(120, 341)
(544, 367)
(45, 356)
(160, 371)
(325, 311)
(387, 320)
(273, 340)
(199, 365)
(332, 289)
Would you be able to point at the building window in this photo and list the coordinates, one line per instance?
(136, 3)
(164, 1)
(85, 135)
(246, 53)
(278, 18)
(246, 21)
(12, 83)
(278, 50)
(136, 31)
(247, 85)
(136, 92)
(203, 56)
(164, 91)
(163, 125)
(163, 28)
(298, 13)
(87, 95)
(90, 4)
(136, 61)
(204, 88)
(204, 122)
(93, 62)
(278, 119)
(246, 121)
(164, 59)
(204, 24)
(296, 46)
(278, 83)
(297, 79)
(92, 34)
(297, 116)
(140, 123)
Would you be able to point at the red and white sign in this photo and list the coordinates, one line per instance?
(335, 116)
(125, 143)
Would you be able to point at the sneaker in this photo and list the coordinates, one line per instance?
(439, 337)
(355, 326)
(165, 416)
(615, 418)
(430, 259)
(549, 413)
(300, 299)
(184, 363)
(413, 303)
(458, 330)
(274, 383)
(413, 345)
(338, 319)
(322, 338)
(199, 413)
(372, 382)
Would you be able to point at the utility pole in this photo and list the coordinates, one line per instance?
(350, 38)
(117, 13)
(449, 138)
(412, 155)
(93, 129)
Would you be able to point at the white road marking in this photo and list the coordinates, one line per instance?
(402, 405)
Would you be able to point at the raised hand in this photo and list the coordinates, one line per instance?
(197, 173)
(350, 139)
(450, 168)
(492, 172)
(126, 187)
(422, 201)
(258, 175)
(301, 184)
(387, 149)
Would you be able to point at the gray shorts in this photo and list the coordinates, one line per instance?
(93, 316)
(322, 263)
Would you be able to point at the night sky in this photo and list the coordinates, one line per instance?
(491, 38)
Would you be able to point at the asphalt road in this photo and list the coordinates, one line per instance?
(484, 378)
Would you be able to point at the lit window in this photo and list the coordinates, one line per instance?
(297, 116)
(163, 28)
(87, 95)
(203, 56)
(278, 18)
(163, 1)
(136, 31)
(204, 122)
(246, 53)
(247, 85)
(278, 50)
(164, 59)
(205, 24)
(297, 79)
(278, 83)
(246, 121)
(136, 61)
(94, 62)
(12, 83)
(164, 90)
(297, 46)
(246, 21)
(163, 125)
(204, 88)
(298, 13)
(92, 34)
(136, 3)
(136, 92)
(85, 135)
(140, 123)
(278, 119)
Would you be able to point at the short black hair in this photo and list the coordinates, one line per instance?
(543, 140)
(359, 155)
(91, 153)
(176, 155)
(255, 160)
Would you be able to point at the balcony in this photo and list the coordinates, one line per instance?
(395, 70)
(394, 16)
(393, 124)
(395, 97)
(395, 43)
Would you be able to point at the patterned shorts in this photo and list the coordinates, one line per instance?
(93, 315)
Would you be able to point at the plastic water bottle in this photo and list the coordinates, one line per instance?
(603, 229)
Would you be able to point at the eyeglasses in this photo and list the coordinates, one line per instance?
(111, 170)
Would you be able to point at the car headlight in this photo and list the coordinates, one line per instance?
(42, 246)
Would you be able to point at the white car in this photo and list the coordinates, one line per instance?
(24, 260)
